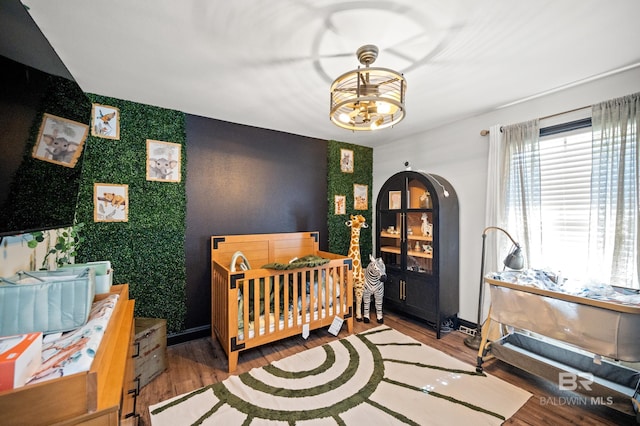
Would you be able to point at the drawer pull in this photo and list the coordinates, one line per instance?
(135, 393)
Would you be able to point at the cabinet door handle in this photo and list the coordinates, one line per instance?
(137, 346)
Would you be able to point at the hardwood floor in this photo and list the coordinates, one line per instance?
(202, 362)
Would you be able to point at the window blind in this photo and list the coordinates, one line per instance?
(565, 169)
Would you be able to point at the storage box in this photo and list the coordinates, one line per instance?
(20, 358)
(151, 340)
(104, 274)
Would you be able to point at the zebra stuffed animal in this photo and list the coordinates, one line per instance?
(374, 278)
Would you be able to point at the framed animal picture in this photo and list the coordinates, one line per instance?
(346, 161)
(163, 161)
(111, 202)
(105, 121)
(340, 202)
(60, 140)
(360, 197)
(395, 200)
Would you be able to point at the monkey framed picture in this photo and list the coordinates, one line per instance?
(60, 140)
(105, 121)
(110, 202)
(163, 161)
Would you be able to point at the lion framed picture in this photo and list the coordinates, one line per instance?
(60, 140)
(111, 202)
(105, 121)
(360, 197)
(163, 161)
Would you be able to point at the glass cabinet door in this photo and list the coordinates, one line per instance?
(391, 205)
(391, 239)
(420, 242)
(419, 224)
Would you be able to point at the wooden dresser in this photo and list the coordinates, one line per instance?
(104, 395)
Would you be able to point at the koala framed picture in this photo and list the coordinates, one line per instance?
(163, 161)
(105, 121)
(110, 202)
(60, 140)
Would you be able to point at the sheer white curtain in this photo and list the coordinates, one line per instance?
(523, 201)
(495, 207)
(613, 221)
(496, 187)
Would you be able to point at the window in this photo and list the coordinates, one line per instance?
(565, 180)
(581, 210)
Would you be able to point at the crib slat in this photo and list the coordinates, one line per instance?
(277, 285)
(285, 301)
(245, 311)
(267, 303)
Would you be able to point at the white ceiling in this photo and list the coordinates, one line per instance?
(270, 63)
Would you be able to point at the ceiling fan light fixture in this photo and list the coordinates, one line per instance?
(383, 107)
(344, 118)
(368, 98)
(377, 123)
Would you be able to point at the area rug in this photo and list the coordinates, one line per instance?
(378, 377)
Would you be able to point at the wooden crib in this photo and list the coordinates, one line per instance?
(254, 306)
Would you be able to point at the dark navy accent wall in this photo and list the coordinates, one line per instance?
(246, 180)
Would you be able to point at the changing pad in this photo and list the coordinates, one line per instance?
(74, 351)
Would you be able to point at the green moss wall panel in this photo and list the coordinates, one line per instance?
(341, 183)
(148, 250)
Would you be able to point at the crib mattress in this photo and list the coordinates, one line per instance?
(45, 301)
(306, 319)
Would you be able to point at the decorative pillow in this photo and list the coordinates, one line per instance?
(308, 261)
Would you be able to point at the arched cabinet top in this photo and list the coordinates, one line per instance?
(442, 194)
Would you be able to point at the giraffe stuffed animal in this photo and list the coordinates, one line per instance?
(356, 223)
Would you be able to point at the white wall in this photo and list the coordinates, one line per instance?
(458, 153)
(16, 256)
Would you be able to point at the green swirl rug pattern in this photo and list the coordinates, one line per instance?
(377, 377)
